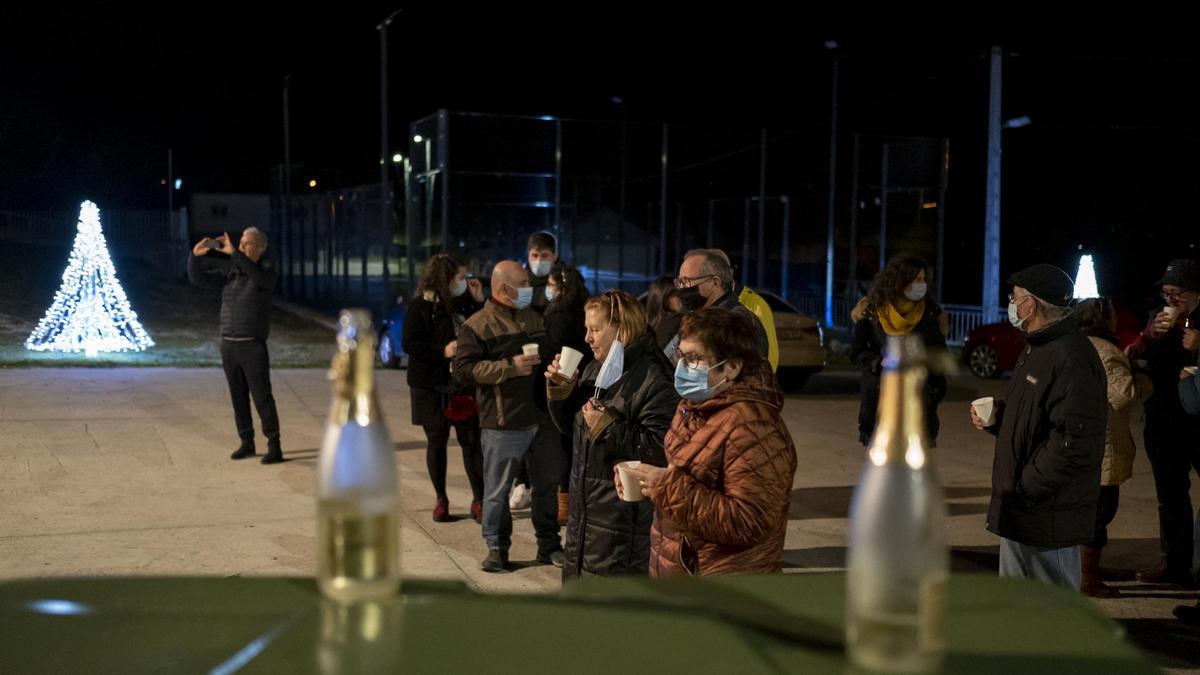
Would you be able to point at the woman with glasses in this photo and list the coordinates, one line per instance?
(445, 298)
(721, 504)
(625, 420)
(897, 305)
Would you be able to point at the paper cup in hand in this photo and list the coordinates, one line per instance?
(629, 482)
(568, 361)
(1172, 314)
(530, 349)
(1192, 369)
(986, 409)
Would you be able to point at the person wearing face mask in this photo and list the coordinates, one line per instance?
(542, 254)
(246, 280)
(623, 421)
(706, 280)
(721, 504)
(444, 300)
(565, 327)
(1189, 397)
(1050, 430)
(1169, 430)
(508, 386)
(897, 305)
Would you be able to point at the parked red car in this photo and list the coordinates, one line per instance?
(992, 349)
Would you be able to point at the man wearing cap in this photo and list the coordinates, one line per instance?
(1049, 436)
(1170, 432)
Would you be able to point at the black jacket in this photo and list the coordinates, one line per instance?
(1050, 441)
(867, 351)
(606, 535)
(428, 328)
(730, 301)
(245, 291)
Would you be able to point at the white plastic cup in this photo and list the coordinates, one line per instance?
(985, 408)
(530, 349)
(568, 362)
(1172, 313)
(1192, 369)
(629, 483)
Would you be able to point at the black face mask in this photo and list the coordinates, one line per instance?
(690, 299)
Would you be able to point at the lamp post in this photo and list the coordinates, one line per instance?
(385, 188)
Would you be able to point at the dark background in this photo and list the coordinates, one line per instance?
(92, 96)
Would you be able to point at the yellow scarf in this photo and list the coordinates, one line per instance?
(903, 319)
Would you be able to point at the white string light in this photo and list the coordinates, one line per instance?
(90, 313)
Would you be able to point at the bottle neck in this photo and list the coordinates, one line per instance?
(900, 431)
(353, 375)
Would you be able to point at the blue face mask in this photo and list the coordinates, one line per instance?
(549, 293)
(459, 288)
(692, 383)
(539, 268)
(524, 296)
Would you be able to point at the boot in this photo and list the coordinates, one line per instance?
(246, 449)
(562, 508)
(274, 452)
(1093, 585)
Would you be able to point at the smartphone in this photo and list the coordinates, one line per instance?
(214, 244)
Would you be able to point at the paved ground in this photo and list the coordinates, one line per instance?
(126, 472)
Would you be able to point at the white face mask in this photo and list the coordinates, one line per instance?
(550, 293)
(458, 288)
(539, 268)
(1013, 317)
(916, 291)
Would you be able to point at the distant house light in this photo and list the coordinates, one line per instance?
(312, 183)
(418, 138)
(929, 205)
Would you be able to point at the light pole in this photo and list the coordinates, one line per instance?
(832, 46)
(385, 188)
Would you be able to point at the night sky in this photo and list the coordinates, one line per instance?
(91, 98)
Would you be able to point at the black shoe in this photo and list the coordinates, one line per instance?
(246, 449)
(274, 453)
(1189, 614)
(1166, 576)
(555, 557)
(496, 561)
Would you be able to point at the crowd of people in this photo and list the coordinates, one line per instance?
(676, 390)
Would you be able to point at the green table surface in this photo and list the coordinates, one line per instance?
(769, 624)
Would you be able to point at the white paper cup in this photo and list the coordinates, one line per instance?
(986, 409)
(568, 362)
(530, 349)
(629, 482)
(1192, 369)
(1172, 313)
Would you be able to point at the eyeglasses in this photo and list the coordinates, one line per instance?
(1174, 296)
(688, 282)
(694, 361)
(1017, 298)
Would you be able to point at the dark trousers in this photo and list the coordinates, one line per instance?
(248, 371)
(1173, 453)
(1106, 510)
(437, 436)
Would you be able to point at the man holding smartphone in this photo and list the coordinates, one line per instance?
(246, 281)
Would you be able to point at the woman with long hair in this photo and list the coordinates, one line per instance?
(566, 296)
(662, 310)
(898, 304)
(445, 298)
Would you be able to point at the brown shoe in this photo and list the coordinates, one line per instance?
(562, 508)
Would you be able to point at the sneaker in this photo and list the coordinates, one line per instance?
(520, 497)
(496, 561)
(246, 449)
(441, 511)
(555, 557)
(477, 511)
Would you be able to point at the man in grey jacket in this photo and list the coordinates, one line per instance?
(246, 282)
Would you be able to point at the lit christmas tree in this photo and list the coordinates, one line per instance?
(1085, 281)
(90, 313)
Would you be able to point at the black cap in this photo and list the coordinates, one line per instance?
(1182, 273)
(1046, 282)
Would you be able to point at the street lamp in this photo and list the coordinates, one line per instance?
(397, 158)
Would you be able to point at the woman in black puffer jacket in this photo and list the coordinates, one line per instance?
(625, 421)
(445, 298)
